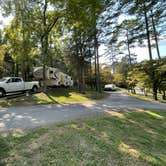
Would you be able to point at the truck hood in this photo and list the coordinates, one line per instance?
(2, 83)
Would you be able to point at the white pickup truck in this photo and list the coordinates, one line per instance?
(16, 84)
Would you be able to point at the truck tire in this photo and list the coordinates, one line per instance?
(34, 89)
(2, 92)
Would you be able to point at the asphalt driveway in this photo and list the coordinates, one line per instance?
(28, 117)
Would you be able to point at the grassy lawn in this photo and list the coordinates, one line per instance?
(148, 98)
(117, 139)
(53, 96)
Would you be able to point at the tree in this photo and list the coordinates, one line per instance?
(106, 75)
(120, 72)
(33, 21)
(128, 37)
(156, 71)
(81, 20)
(141, 9)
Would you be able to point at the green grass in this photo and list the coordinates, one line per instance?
(53, 96)
(148, 98)
(117, 139)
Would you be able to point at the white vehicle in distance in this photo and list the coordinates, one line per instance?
(16, 84)
(110, 87)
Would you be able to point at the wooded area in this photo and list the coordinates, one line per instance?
(67, 34)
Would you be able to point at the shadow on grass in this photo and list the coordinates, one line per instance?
(58, 92)
(119, 138)
(35, 99)
(94, 95)
(51, 98)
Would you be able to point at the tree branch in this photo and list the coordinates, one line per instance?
(52, 25)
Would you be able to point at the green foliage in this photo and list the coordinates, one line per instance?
(106, 75)
(149, 74)
(132, 79)
(66, 34)
(119, 80)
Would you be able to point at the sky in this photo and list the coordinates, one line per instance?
(141, 52)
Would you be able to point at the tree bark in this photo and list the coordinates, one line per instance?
(155, 36)
(44, 40)
(90, 73)
(95, 72)
(155, 92)
(164, 95)
(17, 69)
(128, 47)
(97, 67)
(147, 33)
(83, 75)
(82, 66)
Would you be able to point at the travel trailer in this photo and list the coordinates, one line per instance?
(54, 77)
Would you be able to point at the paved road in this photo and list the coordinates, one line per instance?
(28, 117)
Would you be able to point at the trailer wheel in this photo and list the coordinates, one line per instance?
(2, 93)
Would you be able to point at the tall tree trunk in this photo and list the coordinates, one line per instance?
(23, 63)
(82, 66)
(150, 53)
(90, 73)
(147, 32)
(83, 75)
(95, 71)
(44, 40)
(155, 36)
(128, 47)
(98, 70)
(44, 44)
(97, 67)
(164, 95)
(81, 81)
(45, 53)
(155, 92)
(17, 69)
(78, 68)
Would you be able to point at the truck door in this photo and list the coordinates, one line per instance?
(19, 84)
(10, 85)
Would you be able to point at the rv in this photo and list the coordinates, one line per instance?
(54, 77)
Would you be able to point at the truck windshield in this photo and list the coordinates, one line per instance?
(3, 79)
